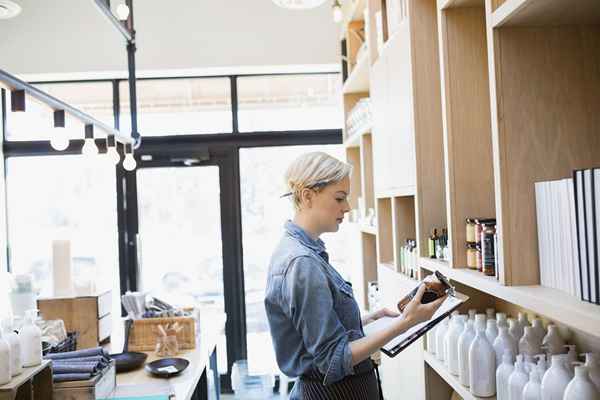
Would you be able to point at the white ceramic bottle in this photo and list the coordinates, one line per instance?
(504, 342)
(16, 366)
(5, 373)
(515, 329)
(431, 340)
(501, 320)
(482, 366)
(581, 387)
(522, 320)
(553, 341)
(451, 339)
(439, 339)
(31, 341)
(517, 380)
(555, 379)
(533, 388)
(529, 363)
(491, 330)
(571, 357)
(542, 364)
(503, 372)
(480, 322)
(592, 363)
(538, 327)
(529, 343)
(490, 313)
(464, 343)
(472, 313)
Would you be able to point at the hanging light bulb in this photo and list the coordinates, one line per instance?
(89, 146)
(129, 162)
(122, 12)
(111, 150)
(337, 12)
(59, 140)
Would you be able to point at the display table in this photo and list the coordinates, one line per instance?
(191, 384)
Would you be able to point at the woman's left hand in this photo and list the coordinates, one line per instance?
(382, 312)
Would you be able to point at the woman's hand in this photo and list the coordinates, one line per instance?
(382, 312)
(415, 312)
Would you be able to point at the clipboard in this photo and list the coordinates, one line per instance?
(405, 339)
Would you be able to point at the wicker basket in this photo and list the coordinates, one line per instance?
(144, 333)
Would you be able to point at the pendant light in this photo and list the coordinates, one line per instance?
(122, 12)
(111, 150)
(337, 12)
(59, 140)
(89, 148)
(298, 4)
(129, 162)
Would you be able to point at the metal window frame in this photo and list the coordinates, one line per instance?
(224, 151)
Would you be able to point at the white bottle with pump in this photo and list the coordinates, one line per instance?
(439, 339)
(31, 340)
(515, 330)
(517, 380)
(464, 342)
(553, 341)
(592, 362)
(451, 340)
(502, 374)
(581, 387)
(533, 388)
(555, 379)
(491, 330)
(530, 343)
(16, 365)
(571, 358)
(538, 328)
(5, 372)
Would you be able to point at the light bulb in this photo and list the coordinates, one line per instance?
(89, 148)
(59, 142)
(122, 12)
(129, 162)
(113, 155)
(337, 13)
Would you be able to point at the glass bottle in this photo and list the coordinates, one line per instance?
(482, 366)
(502, 374)
(464, 342)
(31, 340)
(16, 366)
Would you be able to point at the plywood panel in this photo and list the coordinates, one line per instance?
(547, 98)
(366, 162)
(428, 130)
(369, 258)
(353, 158)
(467, 126)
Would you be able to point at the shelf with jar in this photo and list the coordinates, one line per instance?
(359, 121)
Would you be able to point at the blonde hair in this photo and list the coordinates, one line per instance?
(313, 171)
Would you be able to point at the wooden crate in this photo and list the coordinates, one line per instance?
(144, 333)
(88, 315)
(34, 383)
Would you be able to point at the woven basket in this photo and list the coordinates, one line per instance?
(144, 333)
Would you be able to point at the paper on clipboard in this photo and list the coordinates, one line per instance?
(400, 342)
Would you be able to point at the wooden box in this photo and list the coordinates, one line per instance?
(98, 387)
(34, 383)
(144, 333)
(87, 315)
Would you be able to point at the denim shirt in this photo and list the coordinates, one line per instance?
(311, 309)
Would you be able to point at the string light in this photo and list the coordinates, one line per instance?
(89, 149)
(111, 150)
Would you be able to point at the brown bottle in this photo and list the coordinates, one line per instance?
(437, 285)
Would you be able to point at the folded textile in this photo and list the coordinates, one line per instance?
(76, 367)
(97, 351)
(71, 377)
(103, 360)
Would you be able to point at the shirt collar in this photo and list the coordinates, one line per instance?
(300, 234)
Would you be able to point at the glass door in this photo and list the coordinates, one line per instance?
(179, 241)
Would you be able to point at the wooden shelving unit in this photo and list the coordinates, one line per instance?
(473, 101)
(358, 80)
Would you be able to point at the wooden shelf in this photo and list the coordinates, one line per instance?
(445, 4)
(385, 235)
(551, 303)
(369, 229)
(353, 158)
(546, 13)
(467, 123)
(357, 10)
(452, 380)
(358, 80)
(354, 140)
(403, 191)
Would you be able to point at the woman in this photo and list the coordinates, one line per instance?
(314, 320)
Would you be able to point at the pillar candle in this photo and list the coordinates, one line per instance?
(61, 267)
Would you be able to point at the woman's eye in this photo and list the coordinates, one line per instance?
(340, 200)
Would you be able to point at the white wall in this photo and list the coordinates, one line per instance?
(71, 36)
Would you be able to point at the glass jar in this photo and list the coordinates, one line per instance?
(488, 250)
(471, 230)
(472, 255)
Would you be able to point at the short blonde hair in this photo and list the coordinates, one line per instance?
(314, 171)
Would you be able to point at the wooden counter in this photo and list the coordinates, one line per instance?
(194, 377)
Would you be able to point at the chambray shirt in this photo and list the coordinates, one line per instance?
(311, 310)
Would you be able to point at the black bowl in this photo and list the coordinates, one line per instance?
(167, 367)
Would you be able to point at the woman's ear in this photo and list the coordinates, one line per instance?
(306, 197)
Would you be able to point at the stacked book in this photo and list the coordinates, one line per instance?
(568, 218)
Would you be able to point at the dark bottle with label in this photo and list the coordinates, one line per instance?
(432, 243)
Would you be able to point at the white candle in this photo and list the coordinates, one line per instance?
(61, 267)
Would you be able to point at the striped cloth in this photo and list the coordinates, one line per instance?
(365, 386)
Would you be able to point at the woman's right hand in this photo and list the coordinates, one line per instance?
(415, 312)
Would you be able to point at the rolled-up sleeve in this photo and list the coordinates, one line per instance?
(309, 303)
